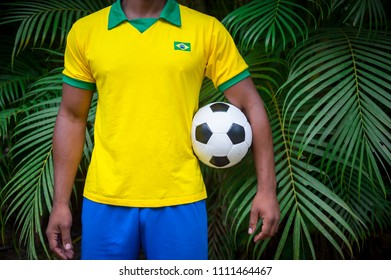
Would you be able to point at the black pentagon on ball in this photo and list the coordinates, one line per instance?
(219, 161)
(219, 107)
(236, 133)
(203, 133)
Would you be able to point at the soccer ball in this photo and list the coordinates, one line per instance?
(220, 134)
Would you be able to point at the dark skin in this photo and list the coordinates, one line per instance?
(68, 142)
(69, 138)
(265, 205)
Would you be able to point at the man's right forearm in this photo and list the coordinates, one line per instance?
(68, 142)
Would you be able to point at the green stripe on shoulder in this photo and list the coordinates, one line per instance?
(241, 76)
(78, 83)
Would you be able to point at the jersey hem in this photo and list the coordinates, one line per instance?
(146, 203)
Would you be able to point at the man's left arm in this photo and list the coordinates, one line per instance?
(265, 206)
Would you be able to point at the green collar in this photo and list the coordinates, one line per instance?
(169, 13)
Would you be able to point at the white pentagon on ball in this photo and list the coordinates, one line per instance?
(221, 135)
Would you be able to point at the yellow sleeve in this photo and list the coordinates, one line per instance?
(77, 71)
(224, 61)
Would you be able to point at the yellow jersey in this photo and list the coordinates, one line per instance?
(148, 74)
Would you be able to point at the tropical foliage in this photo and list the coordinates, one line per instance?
(323, 70)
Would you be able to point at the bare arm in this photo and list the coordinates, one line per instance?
(68, 142)
(265, 205)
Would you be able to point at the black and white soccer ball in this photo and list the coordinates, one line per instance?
(221, 135)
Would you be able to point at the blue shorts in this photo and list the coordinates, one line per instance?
(165, 233)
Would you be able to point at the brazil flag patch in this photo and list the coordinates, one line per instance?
(182, 46)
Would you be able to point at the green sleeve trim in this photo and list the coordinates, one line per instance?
(241, 76)
(78, 83)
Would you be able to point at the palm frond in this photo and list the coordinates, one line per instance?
(28, 194)
(48, 86)
(370, 204)
(12, 87)
(14, 79)
(363, 14)
(303, 194)
(23, 86)
(7, 117)
(350, 77)
(46, 21)
(219, 244)
(273, 22)
(323, 7)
